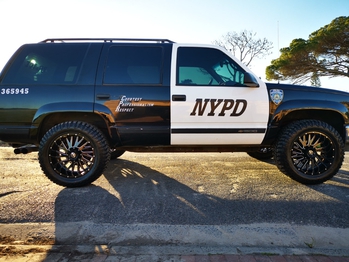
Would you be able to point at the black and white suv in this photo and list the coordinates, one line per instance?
(80, 102)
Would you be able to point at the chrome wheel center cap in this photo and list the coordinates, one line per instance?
(73, 155)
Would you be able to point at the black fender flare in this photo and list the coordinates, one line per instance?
(47, 109)
(69, 107)
(291, 106)
(288, 107)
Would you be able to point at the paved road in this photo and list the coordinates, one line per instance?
(174, 198)
(173, 189)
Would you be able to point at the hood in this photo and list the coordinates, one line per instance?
(303, 89)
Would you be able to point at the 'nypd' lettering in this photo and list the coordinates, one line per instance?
(234, 107)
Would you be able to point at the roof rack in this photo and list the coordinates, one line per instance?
(52, 40)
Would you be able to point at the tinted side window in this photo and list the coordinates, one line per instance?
(207, 66)
(46, 64)
(134, 65)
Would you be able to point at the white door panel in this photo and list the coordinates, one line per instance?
(223, 105)
(215, 114)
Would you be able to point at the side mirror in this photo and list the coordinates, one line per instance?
(250, 80)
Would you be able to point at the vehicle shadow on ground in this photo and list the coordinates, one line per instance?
(138, 194)
(336, 188)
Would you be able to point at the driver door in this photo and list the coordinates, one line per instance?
(210, 104)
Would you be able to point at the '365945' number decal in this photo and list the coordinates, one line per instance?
(15, 91)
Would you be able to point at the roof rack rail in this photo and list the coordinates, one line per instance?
(52, 40)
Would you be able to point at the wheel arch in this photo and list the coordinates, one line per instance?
(332, 113)
(50, 115)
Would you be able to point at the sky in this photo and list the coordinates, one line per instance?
(183, 21)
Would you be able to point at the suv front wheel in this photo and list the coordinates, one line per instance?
(309, 151)
(73, 154)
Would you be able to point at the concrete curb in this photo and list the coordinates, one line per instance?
(262, 238)
(172, 250)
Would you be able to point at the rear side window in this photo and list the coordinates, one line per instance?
(47, 64)
(134, 65)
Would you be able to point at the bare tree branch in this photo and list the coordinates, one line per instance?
(245, 46)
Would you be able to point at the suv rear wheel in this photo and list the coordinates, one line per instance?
(309, 151)
(73, 154)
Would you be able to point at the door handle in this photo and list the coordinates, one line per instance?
(103, 96)
(179, 97)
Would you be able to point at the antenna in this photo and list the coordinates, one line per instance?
(278, 35)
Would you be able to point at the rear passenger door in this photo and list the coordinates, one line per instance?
(210, 104)
(133, 88)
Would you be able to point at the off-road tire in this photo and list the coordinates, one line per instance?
(73, 154)
(309, 151)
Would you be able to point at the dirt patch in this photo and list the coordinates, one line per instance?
(10, 247)
(10, 240)
(6, 240)
(13, 250)
(3, 143)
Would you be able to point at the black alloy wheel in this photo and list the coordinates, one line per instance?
(309, 151)
(73, 154)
